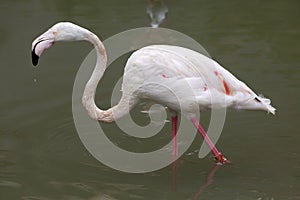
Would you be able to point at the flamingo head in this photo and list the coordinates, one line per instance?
(62, 31)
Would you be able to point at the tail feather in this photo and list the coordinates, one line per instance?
(255, 102)
(267, 103)
(271, 109)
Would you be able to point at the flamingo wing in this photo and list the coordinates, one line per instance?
(209, 81)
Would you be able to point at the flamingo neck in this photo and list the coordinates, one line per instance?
(88, 99)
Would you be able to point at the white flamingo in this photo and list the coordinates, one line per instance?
(181, 79)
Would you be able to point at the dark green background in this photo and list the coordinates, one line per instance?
(41, 156)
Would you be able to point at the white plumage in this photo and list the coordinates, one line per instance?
(190, 75)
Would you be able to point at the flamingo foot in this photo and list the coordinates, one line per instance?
(221, 160)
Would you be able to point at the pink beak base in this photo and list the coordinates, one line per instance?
(39, 48)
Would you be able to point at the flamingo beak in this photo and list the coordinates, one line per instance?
(40, 44)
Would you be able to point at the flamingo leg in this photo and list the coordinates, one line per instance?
(174, 135)
(174, 150)
(218, 156)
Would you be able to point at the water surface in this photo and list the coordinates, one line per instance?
(42, 157)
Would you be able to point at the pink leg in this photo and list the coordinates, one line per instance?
(218, 156)
(174, 135)
(174, 151)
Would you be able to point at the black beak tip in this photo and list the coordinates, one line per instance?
(35, 58)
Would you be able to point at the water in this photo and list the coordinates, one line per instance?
(41, 156)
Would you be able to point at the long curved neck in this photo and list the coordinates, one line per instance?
(88, 98)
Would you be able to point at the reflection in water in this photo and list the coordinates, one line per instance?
(174, 174)
(209, 180)
(157, 11)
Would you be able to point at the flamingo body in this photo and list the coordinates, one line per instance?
(165, 73)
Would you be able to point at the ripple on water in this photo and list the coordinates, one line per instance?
(77, 185)
(61, 140)
(9, 184)
(35, 198)
(5, 159)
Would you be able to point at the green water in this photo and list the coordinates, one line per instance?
(42, 157)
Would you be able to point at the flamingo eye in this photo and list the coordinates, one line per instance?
(256, 99)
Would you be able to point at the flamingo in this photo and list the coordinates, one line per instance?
(157, 11)
(179, 78)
